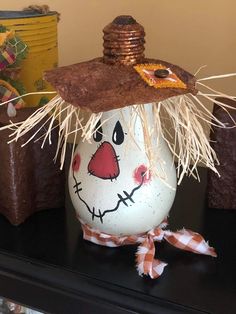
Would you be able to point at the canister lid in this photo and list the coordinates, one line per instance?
(5, 15)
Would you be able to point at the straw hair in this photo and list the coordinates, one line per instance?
(186, 114)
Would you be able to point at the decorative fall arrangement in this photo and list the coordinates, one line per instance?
(12, 51)
(30, 45)
(122, 178)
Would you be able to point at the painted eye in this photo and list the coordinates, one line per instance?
(97, 136)
(118, 134)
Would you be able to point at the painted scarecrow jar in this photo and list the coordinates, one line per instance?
(110, 181)
(143, 113)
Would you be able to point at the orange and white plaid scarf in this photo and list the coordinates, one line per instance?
(145, 257)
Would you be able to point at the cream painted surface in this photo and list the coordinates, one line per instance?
(189, 33)
(109, 184)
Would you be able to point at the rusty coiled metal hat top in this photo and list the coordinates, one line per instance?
(123, 41)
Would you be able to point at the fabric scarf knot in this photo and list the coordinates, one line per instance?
(146, 262)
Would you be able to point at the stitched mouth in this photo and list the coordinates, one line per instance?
(122, 199)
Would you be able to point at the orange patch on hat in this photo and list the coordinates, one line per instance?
(159, 76)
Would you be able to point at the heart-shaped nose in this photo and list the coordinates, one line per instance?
(104, 163)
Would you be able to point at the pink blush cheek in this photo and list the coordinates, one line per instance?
(76, 163)
(141, 174)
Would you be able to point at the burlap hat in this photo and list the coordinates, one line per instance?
(123, 76)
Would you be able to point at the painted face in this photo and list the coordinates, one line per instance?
(110, 184)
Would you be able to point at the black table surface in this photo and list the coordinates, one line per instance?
(46, 264)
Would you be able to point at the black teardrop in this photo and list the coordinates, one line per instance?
(118, 134)
(97, 136)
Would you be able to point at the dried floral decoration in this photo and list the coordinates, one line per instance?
(12, 51)
(159, 76)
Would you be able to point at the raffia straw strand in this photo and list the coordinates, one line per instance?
(27, 94)
(60, 136)
(193, 145)
(67, 127)
(74, 143)
(130, 126)
(6, 127)
(34, 119)
(199, 69)
(29, 123)
(150, 148)
(223, 106)
(52, 118)
(213, 77)
(44, 136)
(219, 94)
(50, 128)
(91, 123)
(211, 116)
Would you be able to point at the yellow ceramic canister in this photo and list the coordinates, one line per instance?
(39, 32)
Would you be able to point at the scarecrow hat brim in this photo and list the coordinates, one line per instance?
(97, 87)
